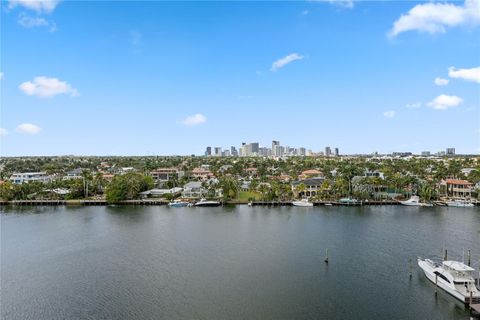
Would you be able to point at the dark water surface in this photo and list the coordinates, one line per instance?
(228, 263)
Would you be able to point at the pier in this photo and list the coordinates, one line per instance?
(144, 202)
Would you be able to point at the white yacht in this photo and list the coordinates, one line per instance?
(415, 202)
(302, 203)
(460, 203)
(207, 203)
(454, 277)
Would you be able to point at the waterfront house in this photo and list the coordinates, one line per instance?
(307, 187)
(158, 193)
(193, 190)
(456, 188)
(26, 177)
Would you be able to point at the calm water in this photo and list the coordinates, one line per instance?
(228, 263)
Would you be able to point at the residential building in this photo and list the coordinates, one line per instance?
(233, 151)
(202, 174)
(193, 190)
(157, 193)
(74, 174)
(218, 151)
(307, 188)
(162, 175)
(456, 188)
(310, 174)
(425, 153)
(450, 151)
(337, 152)
(26, 177)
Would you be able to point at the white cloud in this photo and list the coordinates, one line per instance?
(389, 114)
(413, 105)
(3, 132)
(305, 12)
(472, 74)
(437, 17)
(444, 102)
(194, 120)
(44, 87)
(282, 62)
(2, 75)
(45, 6)
(28, 128)
(30, 22)
(440, 81)
(348, 4)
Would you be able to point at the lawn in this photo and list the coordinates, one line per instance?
(245, 195)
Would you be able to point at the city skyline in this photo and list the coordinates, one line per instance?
(169, 78)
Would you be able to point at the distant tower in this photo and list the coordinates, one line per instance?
(450, 151)
(208, 152)
(328, 151)
(337, 153)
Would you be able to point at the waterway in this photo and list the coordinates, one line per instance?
(155, 262)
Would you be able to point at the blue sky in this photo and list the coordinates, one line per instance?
(144, 78)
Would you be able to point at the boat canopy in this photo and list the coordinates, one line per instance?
(457, 266)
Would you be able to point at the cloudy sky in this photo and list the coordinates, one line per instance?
(152, 77)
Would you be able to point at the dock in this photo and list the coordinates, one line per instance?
(99, 202)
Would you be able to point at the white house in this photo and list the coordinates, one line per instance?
(19, 178)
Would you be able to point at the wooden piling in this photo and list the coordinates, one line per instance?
(469, 262)
(445, 257)
(436, 283)
(326, 256)
(410, 263)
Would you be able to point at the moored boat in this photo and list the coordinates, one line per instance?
(350, 201)
(179, 203)
(207, 203)
(302, 203)
(460, 203)
(455, 277)
(415, 202)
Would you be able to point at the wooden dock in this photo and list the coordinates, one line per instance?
(142, 202)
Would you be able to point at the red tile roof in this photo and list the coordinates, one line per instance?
(458, 182)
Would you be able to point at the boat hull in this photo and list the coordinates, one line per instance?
(209, 204)
(302, 204)
(178, 204)
(428, 270)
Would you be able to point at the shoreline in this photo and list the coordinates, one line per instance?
(164, 203)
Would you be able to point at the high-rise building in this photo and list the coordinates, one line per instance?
(450, 151)
(328, 151)
(425, 153)
(279, 151)
(233, 151)
(208, 152)
(336, 152)
(275, 143)
(255, 147)
(218, 151)
(301, 151)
